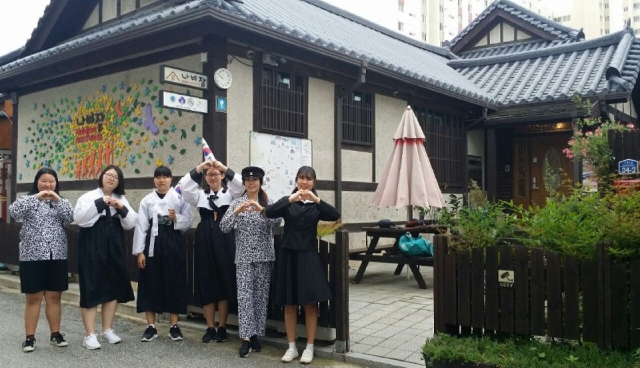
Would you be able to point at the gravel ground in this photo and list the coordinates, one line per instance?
(162, 352)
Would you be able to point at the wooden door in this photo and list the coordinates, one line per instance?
(540, 167)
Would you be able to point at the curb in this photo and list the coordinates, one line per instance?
(128, 311)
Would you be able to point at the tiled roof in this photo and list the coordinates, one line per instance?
(605, 65)
(557, 30)
(310, 22)
(511, 48)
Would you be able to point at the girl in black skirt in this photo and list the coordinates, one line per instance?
(43, 253)
(214, 251)
(162, 256)
(102, 214)
(299, 276)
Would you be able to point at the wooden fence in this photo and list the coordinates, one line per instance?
(334, 259)
(624, 145)
(552, 294)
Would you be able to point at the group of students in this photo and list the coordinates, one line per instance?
(233, 253)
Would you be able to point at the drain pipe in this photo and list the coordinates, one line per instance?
(337, 153)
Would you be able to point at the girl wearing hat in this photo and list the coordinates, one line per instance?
(299, 276)
(43, 253)
(162, 258)
(254, 257)
(214, 251)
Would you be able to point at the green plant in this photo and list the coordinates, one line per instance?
(522, 352)
(481, 226)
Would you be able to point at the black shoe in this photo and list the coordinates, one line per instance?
(57, 339)
(149, 334)
(29, 345)
(255, 345)
(222, 335)
(175, 333)
(245, 349)
(209, 335)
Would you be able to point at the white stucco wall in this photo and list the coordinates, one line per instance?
(356, 166)
(49, 132)
(475, 143)
(389, 112)
(240, 114)
(322, 127)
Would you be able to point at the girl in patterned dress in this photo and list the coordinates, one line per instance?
(103, 214)
(162, 258)
(254, 257)
(43, 253)
(299, 276)
(214, 251)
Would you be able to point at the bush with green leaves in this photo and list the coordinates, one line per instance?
(482, 226)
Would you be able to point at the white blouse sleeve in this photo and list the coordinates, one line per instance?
(142, 227)
(131, 219)
(184, 216)
(190, 189)
(85, 214)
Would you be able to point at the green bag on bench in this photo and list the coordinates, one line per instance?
(415, 246)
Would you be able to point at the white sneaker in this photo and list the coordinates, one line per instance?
(307, 356)
(290, 355)
(111, 337)
(91, 342)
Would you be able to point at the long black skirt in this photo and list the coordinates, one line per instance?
(214, 265)
(300, 279)
(101, 264)
(162, 284)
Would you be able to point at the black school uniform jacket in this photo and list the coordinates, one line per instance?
(301, 221)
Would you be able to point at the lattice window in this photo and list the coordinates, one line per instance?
(445, 144)
(357, 119)
(283, 103)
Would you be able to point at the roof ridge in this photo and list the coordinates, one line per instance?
(574, 33)
(443, 51)
(559, 49)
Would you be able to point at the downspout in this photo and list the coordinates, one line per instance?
(337, 153)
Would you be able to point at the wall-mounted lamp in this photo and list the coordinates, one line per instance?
(4, 114)
(250, 54)
(395, 93)
(273, 60)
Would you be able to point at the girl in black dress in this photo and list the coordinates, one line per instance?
(162, 258)
(299, 276)
(214, 251)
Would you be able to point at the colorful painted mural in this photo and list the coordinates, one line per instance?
(122, 125)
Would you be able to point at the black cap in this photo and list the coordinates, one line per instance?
(252, 172)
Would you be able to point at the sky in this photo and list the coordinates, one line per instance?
(19, 19)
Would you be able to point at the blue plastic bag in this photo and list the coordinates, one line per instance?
(415, 246)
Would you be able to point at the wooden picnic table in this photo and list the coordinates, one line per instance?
(391, 253)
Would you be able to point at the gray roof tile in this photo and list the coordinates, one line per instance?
(608, 64)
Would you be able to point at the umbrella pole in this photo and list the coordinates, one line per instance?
(409, 212)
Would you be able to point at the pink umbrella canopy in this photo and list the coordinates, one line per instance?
(408, 179)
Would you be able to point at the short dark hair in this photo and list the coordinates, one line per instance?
(162, 171)
(44, 170)
(120, 188)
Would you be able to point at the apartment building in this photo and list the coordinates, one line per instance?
(431, 21)
(599, 17)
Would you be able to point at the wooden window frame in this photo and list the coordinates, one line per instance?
(264, 124)
(358, 120)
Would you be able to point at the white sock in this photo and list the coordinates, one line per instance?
(152, 325)
(309, 347)
(292, 345)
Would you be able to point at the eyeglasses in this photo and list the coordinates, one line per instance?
(114, 177)
(216, 175)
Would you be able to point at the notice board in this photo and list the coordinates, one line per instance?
(280, 157)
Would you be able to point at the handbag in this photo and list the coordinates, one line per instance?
(415, 246)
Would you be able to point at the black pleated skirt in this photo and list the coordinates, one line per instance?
(214, 265)
(101, 264)
(162, 285)
(300, 279)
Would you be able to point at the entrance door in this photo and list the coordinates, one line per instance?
(540, 167)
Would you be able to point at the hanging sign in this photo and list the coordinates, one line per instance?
(183, 102)
(181, 77)
(628, 167)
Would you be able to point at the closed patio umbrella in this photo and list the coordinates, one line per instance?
(408, 179)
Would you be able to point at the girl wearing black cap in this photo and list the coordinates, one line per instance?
(299, 276)
(254, 257)
(162, 258)
(214, 270)
(43, 253)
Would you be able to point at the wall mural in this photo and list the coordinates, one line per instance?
(122, 125)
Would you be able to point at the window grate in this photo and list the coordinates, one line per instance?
(283, 105)
(357, 119)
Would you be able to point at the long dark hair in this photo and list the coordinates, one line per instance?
(44, 170)
(120, 188)
(263, 198)
(309, 172)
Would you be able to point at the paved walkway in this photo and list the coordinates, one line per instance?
(390, 316)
